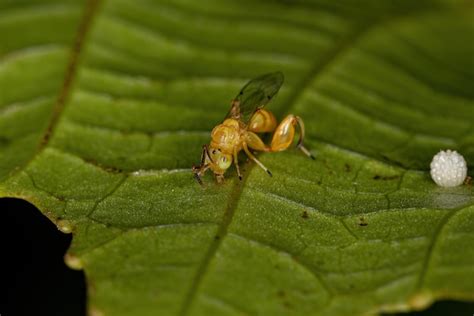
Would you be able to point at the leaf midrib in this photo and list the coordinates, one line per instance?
(236, 192)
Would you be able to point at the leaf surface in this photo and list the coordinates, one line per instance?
(105, 106)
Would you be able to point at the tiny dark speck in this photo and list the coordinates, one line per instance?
(347, 167)
(305, 215)
(379, 177)
(4, 141)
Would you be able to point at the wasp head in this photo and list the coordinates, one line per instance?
(221, 161)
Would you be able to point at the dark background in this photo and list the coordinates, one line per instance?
(35, 280)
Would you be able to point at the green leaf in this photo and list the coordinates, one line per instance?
(104, 108)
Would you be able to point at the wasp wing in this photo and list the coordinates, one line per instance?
(255, 95)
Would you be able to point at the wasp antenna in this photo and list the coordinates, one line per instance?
(240, 178)
(269, 173)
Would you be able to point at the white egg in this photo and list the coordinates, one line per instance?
(448, 168)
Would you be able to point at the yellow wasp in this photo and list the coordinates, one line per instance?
(239, 129)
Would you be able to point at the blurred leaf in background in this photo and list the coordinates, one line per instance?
(104, 106)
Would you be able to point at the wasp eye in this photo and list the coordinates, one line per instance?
(225, 161)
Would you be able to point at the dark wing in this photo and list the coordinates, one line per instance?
(255, 95)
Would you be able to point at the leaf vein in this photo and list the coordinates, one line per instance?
(434, 240)
(85, 23)
(302, 264)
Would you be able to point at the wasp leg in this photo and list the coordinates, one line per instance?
(255, 142)
(201, 169)
(236, 162)
(251, 156)
(219, 178)
(205, 154)
(285, 133)
(198, 178)
(262, 121)
(300, 145)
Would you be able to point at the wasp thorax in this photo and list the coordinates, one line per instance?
(226, 136)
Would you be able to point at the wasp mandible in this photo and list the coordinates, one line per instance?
(246, 118)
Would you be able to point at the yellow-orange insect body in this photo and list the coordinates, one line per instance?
(239, 130)
(227, 136)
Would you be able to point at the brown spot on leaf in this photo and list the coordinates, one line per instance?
(281, 293)
(4, 141)
(362, 222)
(347, 167)
(305, 215)
(379, 177)
(111, 169)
